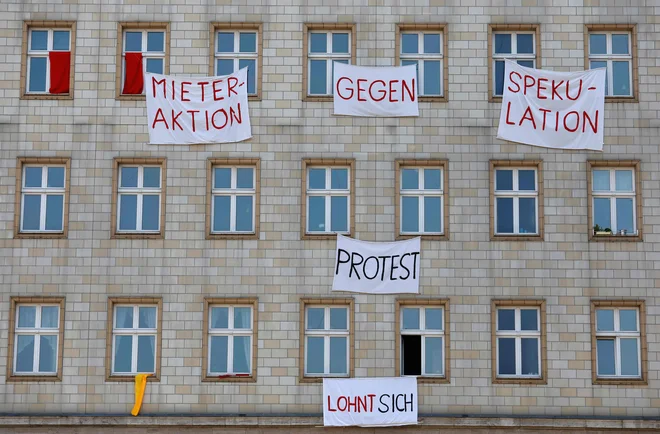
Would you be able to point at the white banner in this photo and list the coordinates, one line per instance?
(375, 91)
(188, 110)
(369, 401)
(377, 268)
(563, 110)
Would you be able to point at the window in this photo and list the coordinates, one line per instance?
(612, 47)
(234, 196)
(325, 45)
(144, 48)
(516, 193)
(238, 47)
(619, 341)
(424, 46)
(518, 43)
(423, 345)
(327, 338)
(230, 347)
(140, 198)
(519, 340)
(135, 340)
(35, 338)
(421, 202)
(48, 61)
(328, 197)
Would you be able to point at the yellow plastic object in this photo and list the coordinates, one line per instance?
(140, 386)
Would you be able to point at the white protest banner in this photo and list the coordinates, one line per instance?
(369, 401)
(563, 110)
(377, 268)
(375, 91)
(188, 110)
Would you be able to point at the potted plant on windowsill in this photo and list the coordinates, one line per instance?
(600, 231)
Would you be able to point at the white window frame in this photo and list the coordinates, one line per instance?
(44, 191)
(612, 195)
(422, 193)
(518, 334)
(140, 192)
(609, 58)
(230, 332)
(326, 334)
(420, 56)
(232, 192)
(328, 56)
(424, 333)
(237, 55)
(328, 193)
(135, 331)
(43, 53)
(37, 332)
(516, 194)
(145, 54)
(616, 335)
(514, 55)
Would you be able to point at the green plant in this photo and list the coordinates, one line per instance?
(607, 230)
(597, 228)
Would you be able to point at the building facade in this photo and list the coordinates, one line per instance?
(210, 266)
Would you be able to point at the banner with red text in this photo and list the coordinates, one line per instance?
(375, 91)
(563, 110)
(189, 110)
(370, 401)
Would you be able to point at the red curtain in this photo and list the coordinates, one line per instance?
(60, 71)
(133, 78)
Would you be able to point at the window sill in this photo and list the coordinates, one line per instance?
(63, 96)
(34, 378)
(320, 379)
(516, 238)
(130, 378)
(423, 98)
(616, 238)
(433, 380)
(433, 237)
(131, 98)
(232, 236)
(324, 236)
(495, 99)
(137, 236)
(621, 99)
(620, 382)
(521, 381)
(40, 235)
(248, 378)
(318, 98)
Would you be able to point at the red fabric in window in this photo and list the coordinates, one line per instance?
(60, 71)
(134, 78)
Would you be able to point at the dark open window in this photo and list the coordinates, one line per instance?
(411, 354)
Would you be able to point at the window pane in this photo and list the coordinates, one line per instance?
(251, 73)
(128, 212)
(315, 355)
(409, 43)
(433, 318)
(247, 42)
(502, 43)
(499, 77)
(339, 179)
(527, 216)
(410, 318)
(33, 177)
(39, 40)
(225, 42)
(503, 180)
(507, 356)
(530, 356)
(225, 66)
(24, 353)
(504, 215)
(597, 43)
(316, 214)
(526, 180)
(133, 41)
(37, 74)
(49, 316)
(410, 214)
(623, 180)
(601, 180)
(621, 78)
(222, 177)
(155, 66)
(604, 320)
(526, 63)
(624, 215)
(432, 214)
(55, 177)
(432, 77)
(528, 319)
(221, 213)
(242, 354)
(629, 359)
(151, 177)
(219, 317)
(27, 316)
(605, 355)
(318, 77)
(338, 357)
(432, 43)
(316, 179)
(242, 318)
(628, 320)
(150, 212)
(340, 42)
(601, 64)
(218, 362)
(602, 215)
(147, 317)
(525, 43)
(48, 353)
(413, 62)
(620, 44)
(146, 353)
(156, 41)
(54, 212)
(244, 214)
(318, 42)
(339, 213)
(315, 318)
(124, 317)
(432, 179)
(506, 319)
(433, 356)
(123, 353)
(129, 177)
(31, 212)
(410, 179)
(61, 40)
(332, 79)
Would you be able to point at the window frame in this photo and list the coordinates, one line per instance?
(493, 29)
(43, 191)
(631, 30)
(15, 302)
